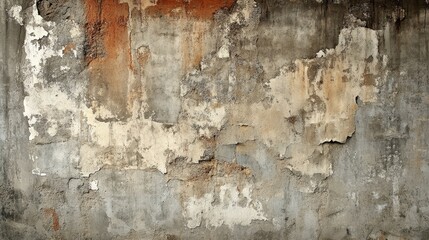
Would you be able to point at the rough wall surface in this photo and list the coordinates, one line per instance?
(214, 119)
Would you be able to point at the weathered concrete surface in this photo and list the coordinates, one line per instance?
(214, 119)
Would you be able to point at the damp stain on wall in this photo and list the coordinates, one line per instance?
(199, 9)
(174, 119)
(107, 53)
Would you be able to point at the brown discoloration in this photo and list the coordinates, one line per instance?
(193, 46)
(172, 237)
(138, 64)
(336, 92)
(369, 80)
(234, 168)
(107, 52)
(205, 170)
(312, 71)
(55, 220)
(201, 9)
(292, 119)
(199, 177)
(68, 49)
(143, 54)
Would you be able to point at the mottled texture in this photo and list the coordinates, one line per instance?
(214, 119)
(107, 53)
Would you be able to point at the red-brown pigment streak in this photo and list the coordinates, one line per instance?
(201, 9)
(108, 53)
(55, 219)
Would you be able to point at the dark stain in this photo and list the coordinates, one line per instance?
(11, 205)
(263, 235)
(267, 7)
(292, 119)
(93, 47)
(205, 170)
(317, 103)
(363, 10)
(200, 9)
(286, 18)
(52, 10)
(369, 80)
(172, 237)
(376, 12)
(425, 234)
(369, 59)
(312, 71)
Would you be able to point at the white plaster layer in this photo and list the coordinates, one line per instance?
(15, 13)
(234, 208)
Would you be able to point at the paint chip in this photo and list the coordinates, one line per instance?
(15, 13)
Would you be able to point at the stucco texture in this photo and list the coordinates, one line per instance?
(214, 119)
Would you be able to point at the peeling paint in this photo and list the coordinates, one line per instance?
(15, 13)
(213, 120)
(234, 208)
(107, 53)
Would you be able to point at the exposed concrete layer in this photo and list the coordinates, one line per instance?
(214, 119)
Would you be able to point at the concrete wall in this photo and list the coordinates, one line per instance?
(214, 119)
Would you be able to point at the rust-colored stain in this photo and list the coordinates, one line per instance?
(141, 59)
(143, 54)
(55, 219)
(202, 9)
(107, 52)
(69, 48)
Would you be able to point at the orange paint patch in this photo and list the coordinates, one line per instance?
(202, 9)
(107, 52)
(55, 219)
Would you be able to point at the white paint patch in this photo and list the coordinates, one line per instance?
(38, 172)
(64, 68)
(37, 54)
(15, 13)
(320, 54)
(205, 116)
(33, 133)
(234, 208)
(223, 52)
(75, 31)
(93, 185)
(39, 102)
(53, 129)
(49, 103)
(381, 207)
(353, 197)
